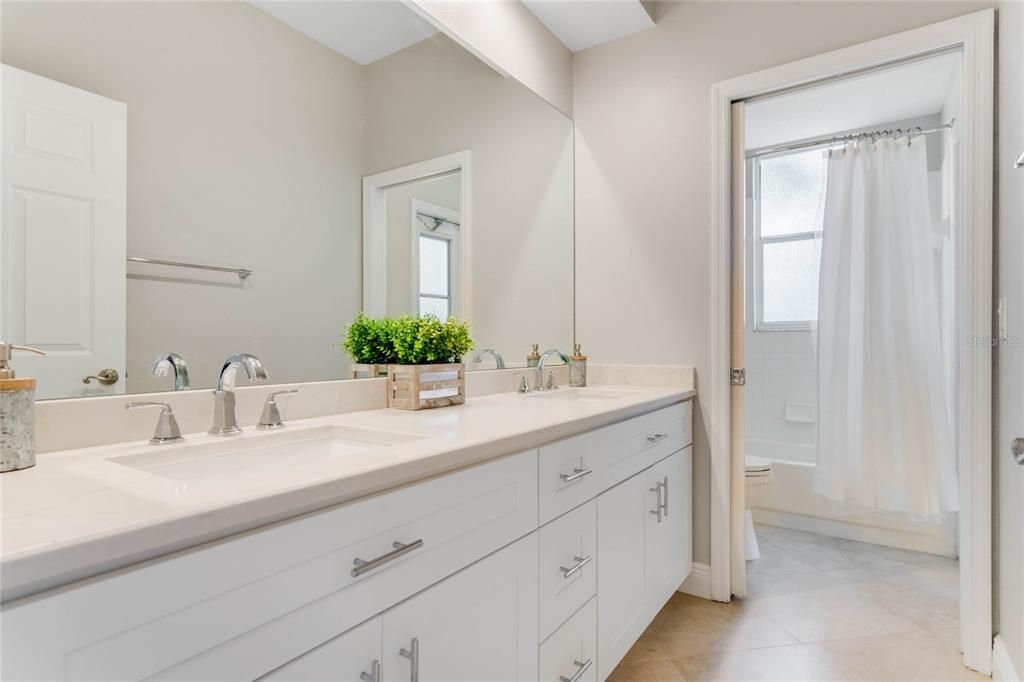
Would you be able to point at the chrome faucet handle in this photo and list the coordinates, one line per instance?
(167, 430)
(270, 418)
(524, 384)
(551, 383)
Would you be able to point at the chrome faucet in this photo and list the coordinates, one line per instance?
(172, 362)
(498, 360)
(225, 414)
(540, 368)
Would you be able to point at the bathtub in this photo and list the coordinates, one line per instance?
(789, 501)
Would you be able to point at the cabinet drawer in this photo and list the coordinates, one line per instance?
(647, 439)
(342, 659)
(576, 469)
(571, 652)
(244, 606)
(568, 565)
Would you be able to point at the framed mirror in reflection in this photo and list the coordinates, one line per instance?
(188, 181)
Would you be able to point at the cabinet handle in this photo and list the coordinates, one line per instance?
(664, 498)
(657, 437)
(659, 507)
(576, 475)
(577, 567)
(399, 550)
(582, 668)
(374, 674)
(413, 654)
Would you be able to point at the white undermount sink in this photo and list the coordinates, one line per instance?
(583, 394)
(260, 454)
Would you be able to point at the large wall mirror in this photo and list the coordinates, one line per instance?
(313, 159)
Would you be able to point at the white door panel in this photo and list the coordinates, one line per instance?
(62, 242)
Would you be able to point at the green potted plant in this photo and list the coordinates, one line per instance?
(423, 357)
(368, 343)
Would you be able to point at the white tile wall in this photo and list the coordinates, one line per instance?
(781, 370)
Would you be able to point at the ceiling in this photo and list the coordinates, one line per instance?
(362, 31)
(900, 93)
(580, 24)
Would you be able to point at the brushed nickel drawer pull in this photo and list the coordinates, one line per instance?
(657, 437)
(659, 508)
(400, 549)
(577, 474)
(583, 667)
(413, 654)
(577, 567)
(374, 674)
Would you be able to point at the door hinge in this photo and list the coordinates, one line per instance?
(738, 376)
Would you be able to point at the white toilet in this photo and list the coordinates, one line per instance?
(758, 473)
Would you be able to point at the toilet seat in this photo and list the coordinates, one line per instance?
(758, 467)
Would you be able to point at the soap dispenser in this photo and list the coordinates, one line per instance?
(577, 367)
(533, 359)
(17, 414)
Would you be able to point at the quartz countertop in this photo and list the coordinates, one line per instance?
(79, 513)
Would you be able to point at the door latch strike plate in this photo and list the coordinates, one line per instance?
(738, 376)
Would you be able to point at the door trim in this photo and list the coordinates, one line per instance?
(975, 35)
(375, 246)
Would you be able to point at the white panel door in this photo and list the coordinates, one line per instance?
(621, 577)
(62, 241)
(342, 659)
(479, 624)
(668, 544)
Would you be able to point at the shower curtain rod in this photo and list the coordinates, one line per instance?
(837, 139)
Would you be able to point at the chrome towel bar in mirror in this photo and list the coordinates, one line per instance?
(241, 272)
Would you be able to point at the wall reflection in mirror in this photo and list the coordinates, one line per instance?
(321, 158)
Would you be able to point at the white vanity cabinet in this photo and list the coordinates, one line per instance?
(644, 536)
(507, 570)
(346, 658)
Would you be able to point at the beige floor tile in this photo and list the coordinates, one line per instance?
(646, 671)
(795, 662)
(912, 656)
(818, 608)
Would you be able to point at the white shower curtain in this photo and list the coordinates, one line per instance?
(885, 441)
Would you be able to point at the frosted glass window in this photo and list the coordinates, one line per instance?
(438, 307)
(792, 188)
(790, 281)
(434, 266)
(789, 195)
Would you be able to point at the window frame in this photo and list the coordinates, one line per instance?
(449, 298)
(759, 242)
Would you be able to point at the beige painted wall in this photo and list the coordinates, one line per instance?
(1010, 356)
(521, 194)
(641, 106)
(509, 36)
(232, 160)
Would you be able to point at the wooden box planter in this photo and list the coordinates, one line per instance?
(358, 371)
(420, 387)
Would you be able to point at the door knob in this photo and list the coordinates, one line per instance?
(1017, 448)
(106, 377)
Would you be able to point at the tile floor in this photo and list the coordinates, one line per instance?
(818, 608)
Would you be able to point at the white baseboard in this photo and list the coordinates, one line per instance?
(699, 581)
(916, 542)
(1002, 664)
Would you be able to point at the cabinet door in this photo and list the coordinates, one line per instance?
(622, 514)
(344, 658)
(668, 546)
(479, 624)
